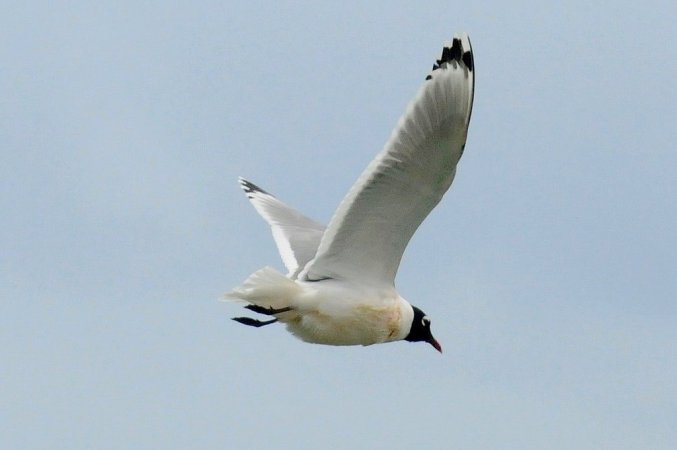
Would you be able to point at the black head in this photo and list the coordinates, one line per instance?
(420, 330)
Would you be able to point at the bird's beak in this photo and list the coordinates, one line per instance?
(435, 344)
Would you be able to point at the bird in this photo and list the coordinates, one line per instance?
(340, 284)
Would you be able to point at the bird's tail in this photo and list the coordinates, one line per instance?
(266, 288)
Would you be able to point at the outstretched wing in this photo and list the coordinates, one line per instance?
(296, 236)
(373, 224)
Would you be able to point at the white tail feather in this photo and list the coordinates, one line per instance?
(266, 287)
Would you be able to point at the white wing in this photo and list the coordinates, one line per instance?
(373, 224)
(296, 236)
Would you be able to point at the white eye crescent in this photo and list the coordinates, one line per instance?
(425, 321)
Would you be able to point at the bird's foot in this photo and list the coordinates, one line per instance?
(253, 322)
(267, 311)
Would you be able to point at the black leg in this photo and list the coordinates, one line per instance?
(253, 322)
(267, 311)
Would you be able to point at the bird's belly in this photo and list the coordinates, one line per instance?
(364, 326)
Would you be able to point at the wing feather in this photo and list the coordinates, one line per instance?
(373, 224)
(296, 236)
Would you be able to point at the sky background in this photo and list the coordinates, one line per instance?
(549, 269)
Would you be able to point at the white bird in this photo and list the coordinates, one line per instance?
(340, 286)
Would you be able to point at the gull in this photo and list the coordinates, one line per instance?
(340, 285)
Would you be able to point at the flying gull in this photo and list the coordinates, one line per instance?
(339, 289)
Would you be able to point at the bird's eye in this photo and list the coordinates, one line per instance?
(425, 321)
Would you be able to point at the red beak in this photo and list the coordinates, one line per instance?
(435, 344)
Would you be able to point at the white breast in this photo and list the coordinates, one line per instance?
(331, 313)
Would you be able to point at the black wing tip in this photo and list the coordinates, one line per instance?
(250, 188)
(459, 51)
(468, 60)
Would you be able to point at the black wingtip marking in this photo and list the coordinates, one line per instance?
(250, 188)
(454, 53)
(468, 60)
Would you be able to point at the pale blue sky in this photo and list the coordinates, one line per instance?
(549, 270)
